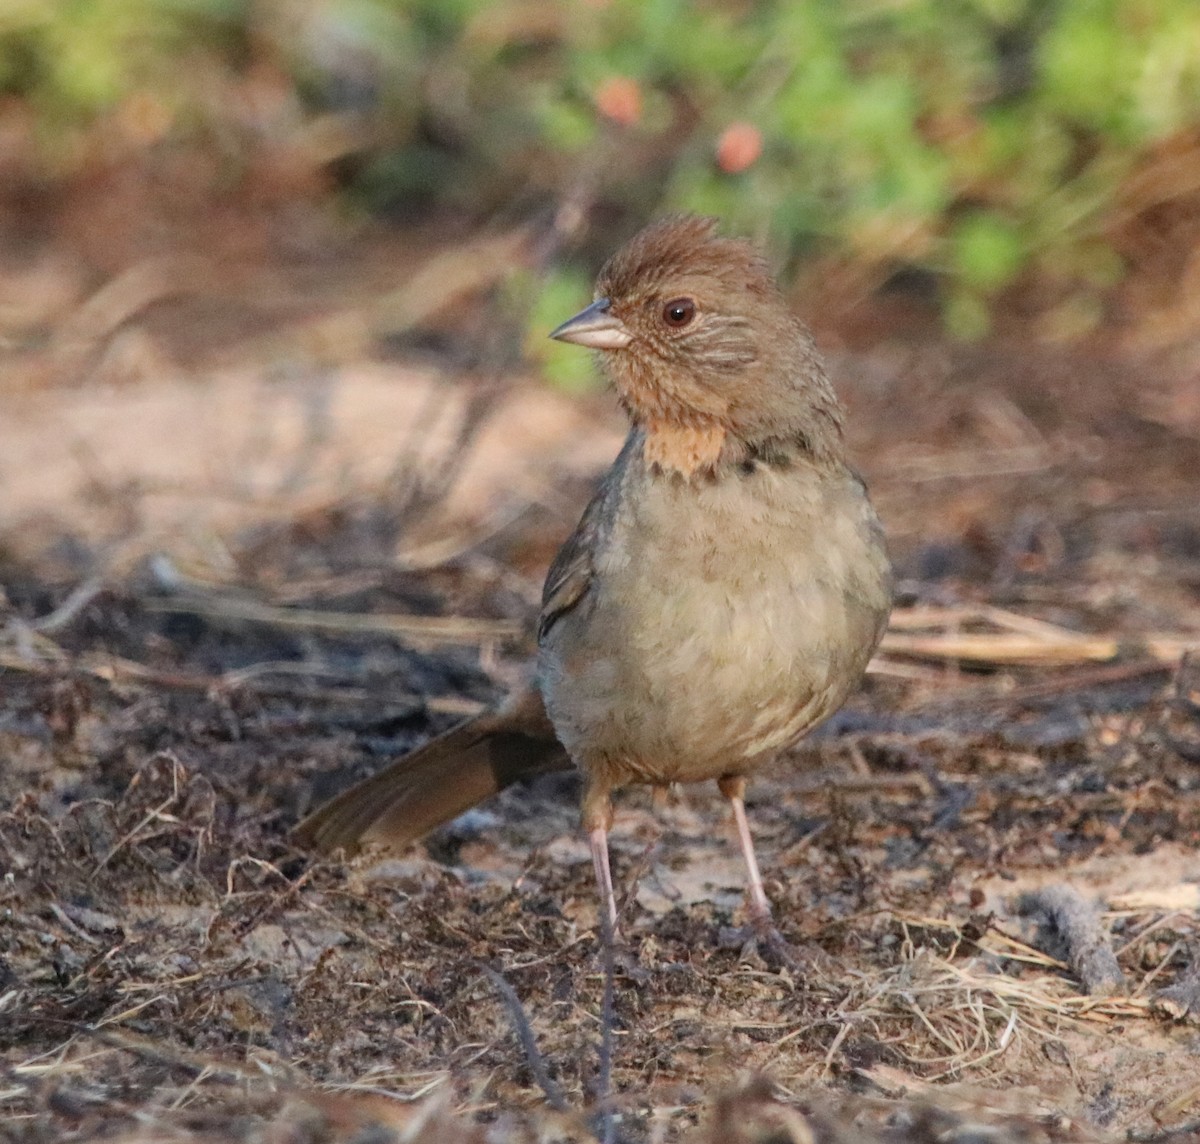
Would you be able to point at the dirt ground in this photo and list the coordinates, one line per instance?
(250, 549)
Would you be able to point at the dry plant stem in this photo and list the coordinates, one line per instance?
(62, 616)
(533, 1056)
(419, 630)
(1182, 999)
(1021, 640)
(1001, 647)
(604, 1073)
(1184, 1131)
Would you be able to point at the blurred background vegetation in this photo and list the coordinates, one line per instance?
(986, 154)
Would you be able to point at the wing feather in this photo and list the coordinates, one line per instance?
(572, 574)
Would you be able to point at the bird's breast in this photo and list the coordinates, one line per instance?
(725, 619)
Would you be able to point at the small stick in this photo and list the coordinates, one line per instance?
(533, 1056)
(604, 1073)
(82, 595)
(1002, 647)
(1072, 925)
(1182, 999)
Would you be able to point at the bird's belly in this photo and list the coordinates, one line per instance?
(701, 685)
(696, 659)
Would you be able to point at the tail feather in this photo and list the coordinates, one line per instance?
(438, 781)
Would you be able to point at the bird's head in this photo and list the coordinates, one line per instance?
(703, 350)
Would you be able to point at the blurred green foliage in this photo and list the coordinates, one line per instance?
(975, 140)
(557, 295)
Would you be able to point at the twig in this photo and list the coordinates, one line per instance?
(1020, 640)
(921, 618)
(1182, 999)
(1002, 647)
(1066, 920)
(194, 1064)
(533, 1056)
(1082, 680)
(78, 599)
(604, 1070)
(1185, 1131)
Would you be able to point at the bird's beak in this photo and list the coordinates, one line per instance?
(595, 328)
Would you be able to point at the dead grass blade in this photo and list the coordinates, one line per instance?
(1010, 639)
(420, 631)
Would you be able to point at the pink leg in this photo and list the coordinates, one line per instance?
(760, 908)
(598, 841)
(765, 937)
(734, 788)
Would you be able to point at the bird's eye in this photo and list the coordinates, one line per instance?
(679, 312)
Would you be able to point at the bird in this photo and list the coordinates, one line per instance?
(723, 591)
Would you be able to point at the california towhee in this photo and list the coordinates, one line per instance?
(723, 591)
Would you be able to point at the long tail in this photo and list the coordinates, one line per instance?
(437, 781)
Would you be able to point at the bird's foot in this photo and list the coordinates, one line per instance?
(625, 962)
(624, 958)
(760, 937)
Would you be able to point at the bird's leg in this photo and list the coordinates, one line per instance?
(761, 934)
(733, 787)
(598, 841)
(597, 821)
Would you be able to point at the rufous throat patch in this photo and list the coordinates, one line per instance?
(683, 449)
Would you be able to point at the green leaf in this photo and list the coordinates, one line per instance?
(562, 293)
(986, 251)
(566, 125)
